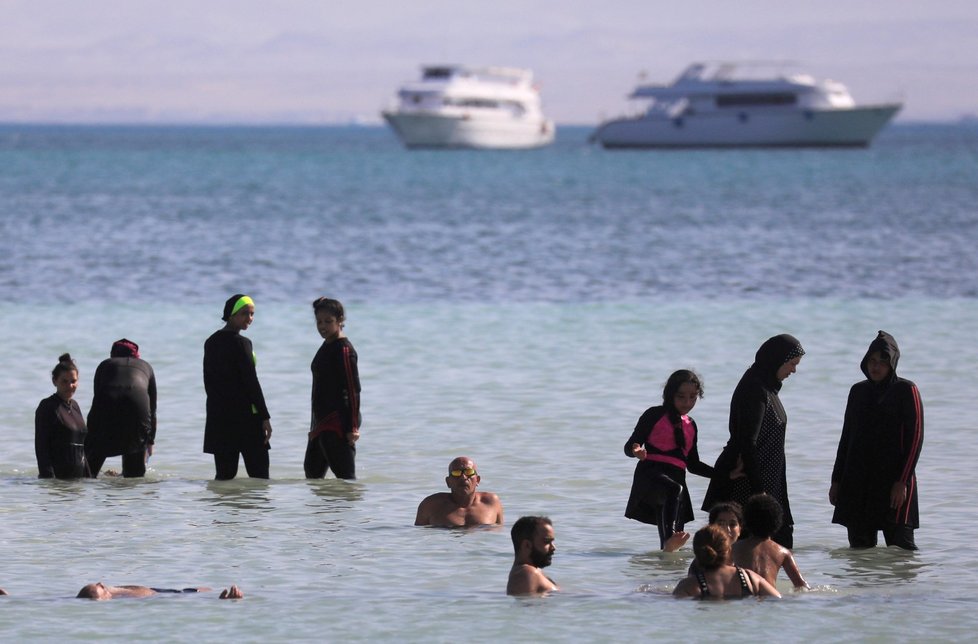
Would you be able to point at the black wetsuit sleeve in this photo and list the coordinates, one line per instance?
(643, 428)
(747, 416)
(246, 365)
(351, 378)
(842, 452)
(911, 432)
(693, 462)
(45, 423)
(151, 389)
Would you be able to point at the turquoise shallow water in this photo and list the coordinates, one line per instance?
(535, 364)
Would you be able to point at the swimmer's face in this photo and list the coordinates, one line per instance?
(468, 478)
(685, 398)
(543, 549)
(788, 368)
(66, 383)
(243, 318)
(328, 326)
(728, 521)
(878, 367)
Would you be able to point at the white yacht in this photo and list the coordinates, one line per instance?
(714, 105)
(453, 106)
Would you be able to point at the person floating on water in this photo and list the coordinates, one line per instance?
(101, 592)
(533, 542)
(664, 442)
(335, 426)
(122, 420)
(464, 506)
(238, 421)
(59, 427)
(874, 481)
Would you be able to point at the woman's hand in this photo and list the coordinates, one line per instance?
(639, 452)
(833, 493)
(353, 437)
(898, 495)
(266, 426)
(738, 471)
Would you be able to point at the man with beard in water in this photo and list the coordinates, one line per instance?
(533, 541)
(464, 506)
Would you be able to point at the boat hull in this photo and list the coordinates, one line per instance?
(850, 127)
(432, 130)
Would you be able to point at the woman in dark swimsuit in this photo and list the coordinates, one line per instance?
(715, 577)
(59, 427)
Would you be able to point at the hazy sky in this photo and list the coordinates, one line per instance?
(316, 61)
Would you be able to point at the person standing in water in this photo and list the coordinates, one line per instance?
(335, 426)
(59, 427)
(757, 427)
(664, 442)
(122, 420)
(874, 484)
(237, 417)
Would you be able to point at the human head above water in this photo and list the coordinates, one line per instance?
(234, 304)
(763, 515)
(729, 516)
(94, 591)
(124, 349)
(776, 352)
(526, 528)
(711, 545)
(677, 380)
(65, 364)
(330, 306)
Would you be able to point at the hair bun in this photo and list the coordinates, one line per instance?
(65, 357)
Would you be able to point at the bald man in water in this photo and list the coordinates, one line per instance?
(464, 506)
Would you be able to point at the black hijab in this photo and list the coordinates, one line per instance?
(887, 346)
(773, 353)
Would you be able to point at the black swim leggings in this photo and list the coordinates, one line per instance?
(899, 535)
(255, 459)
(330, 451)
(133, 465)
(669, 511)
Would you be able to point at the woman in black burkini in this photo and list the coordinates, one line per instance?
(874, 486)
(757, 428)
(335, 425)
(122, 420)
(59, 427)
(237, 418)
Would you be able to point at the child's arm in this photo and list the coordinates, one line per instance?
(791, 569)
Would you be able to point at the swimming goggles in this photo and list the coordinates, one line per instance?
(469, 472)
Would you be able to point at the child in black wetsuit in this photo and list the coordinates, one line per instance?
(664, 442)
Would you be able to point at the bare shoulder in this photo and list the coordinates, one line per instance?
(489, 498)
(687, 587)
(430, 505)
(525, 579)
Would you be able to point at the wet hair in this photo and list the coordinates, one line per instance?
(727, 506)
(331, 306)
(711, 545)
(88, 591)
(669, 391)
(763, 515)
(525, 528)
(65, 363)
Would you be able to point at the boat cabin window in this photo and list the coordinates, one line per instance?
(436, 72)
(741, 100)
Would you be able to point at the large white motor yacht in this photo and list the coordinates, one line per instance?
(713, 105)
(464, 107)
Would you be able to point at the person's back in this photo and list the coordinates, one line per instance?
(766, 558)
(758, 551)
(714, 577)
